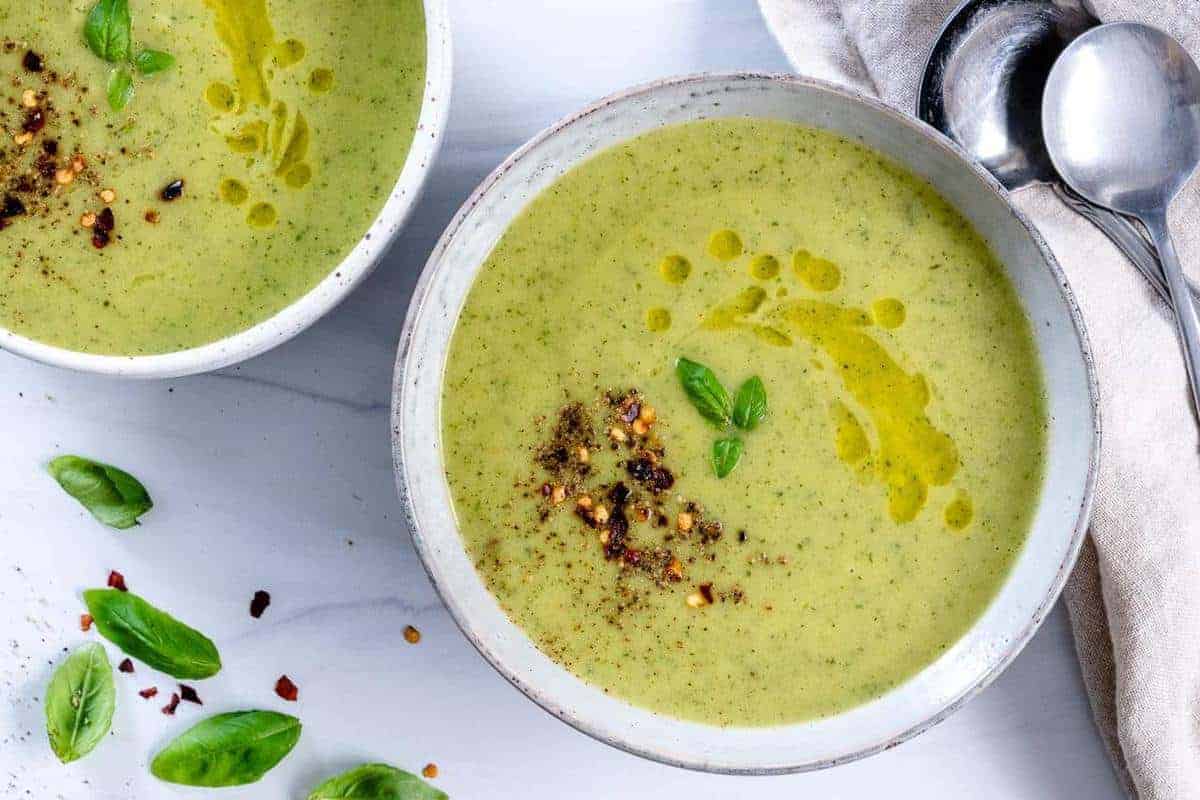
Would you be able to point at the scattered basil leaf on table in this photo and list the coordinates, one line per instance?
(228, 750)
(376, 782)
(120, 88)
(79, 703)
(112, 495)
(152, 636)
(705, 391)
(750, 404)
(726, 454)
(149, 62)
(108, 30)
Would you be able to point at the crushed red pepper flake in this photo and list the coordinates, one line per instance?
(259, 603)
(169, 708)
(117, 581)
(430, 770)
(125, 666)
(148, 693)
(286, 689)
(189, 694)
(85, 622)
(411, 634)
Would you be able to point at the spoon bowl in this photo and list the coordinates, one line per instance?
(1122, 117)
(1122, 122)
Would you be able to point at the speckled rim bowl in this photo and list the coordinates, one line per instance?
(333, 288)
(971, 663)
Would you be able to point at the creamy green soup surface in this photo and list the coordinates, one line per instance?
(229, 185)
(876, 509)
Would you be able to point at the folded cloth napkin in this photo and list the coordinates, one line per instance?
(1134, 597)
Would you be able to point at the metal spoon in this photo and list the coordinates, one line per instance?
(1121, 116)
(983, 85)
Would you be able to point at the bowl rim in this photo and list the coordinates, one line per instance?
(342, 277)
(422, 292)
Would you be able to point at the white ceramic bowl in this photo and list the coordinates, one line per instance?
(1058, 525)
(341, 280)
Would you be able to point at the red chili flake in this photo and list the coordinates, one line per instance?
(102, 230)
(632, 557)
(259, 603)
(148, 693)
(152, 216)
(706, 590)
(115, 579)
(169, 708)
(35, 120)
(189, 694)
(125, 666)
(286, 689)
(85, 622)
(172, 191)
(32, 62)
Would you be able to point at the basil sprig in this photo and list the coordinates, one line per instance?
(112, 495)
(750, 404)
(152, 636)
(705, 391)
(120, 88)
(710, 398)
(376, 782)
(726, 454)
(80, 701)
(108, 31)
(230, 749)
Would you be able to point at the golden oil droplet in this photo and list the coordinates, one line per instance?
(262, 215)
(817, 274)
(888, 312)
(289, 52)
(321, 80)
(220, 96)
(764, 267)
(232, 191)
(658, 319)
(675, 269)
(725, 245)
(959, 512)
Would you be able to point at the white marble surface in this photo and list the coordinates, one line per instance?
(277, 475)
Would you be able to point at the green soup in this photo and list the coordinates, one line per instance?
(228, 186)
(875, 510)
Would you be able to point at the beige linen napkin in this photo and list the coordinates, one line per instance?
(1134, 598)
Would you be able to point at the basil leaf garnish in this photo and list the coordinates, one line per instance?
(149, 62)
(114, 497)
(227, 750)
(79, 703)
(705, 391)
(726, 454)
(108, 30)
(376, 782)
(152, 636)
(750, 405)
(120, 88)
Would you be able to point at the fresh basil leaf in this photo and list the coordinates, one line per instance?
(114, 497)
(108, 30)
(149, 62)
(79, 703)
(120, 88)
(376, 782)
(152, 636)
(227, 750)
(750, 405)
(726, 454)
(705, 391)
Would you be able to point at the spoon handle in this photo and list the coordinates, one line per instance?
(1186, 319)
(1128, 238)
